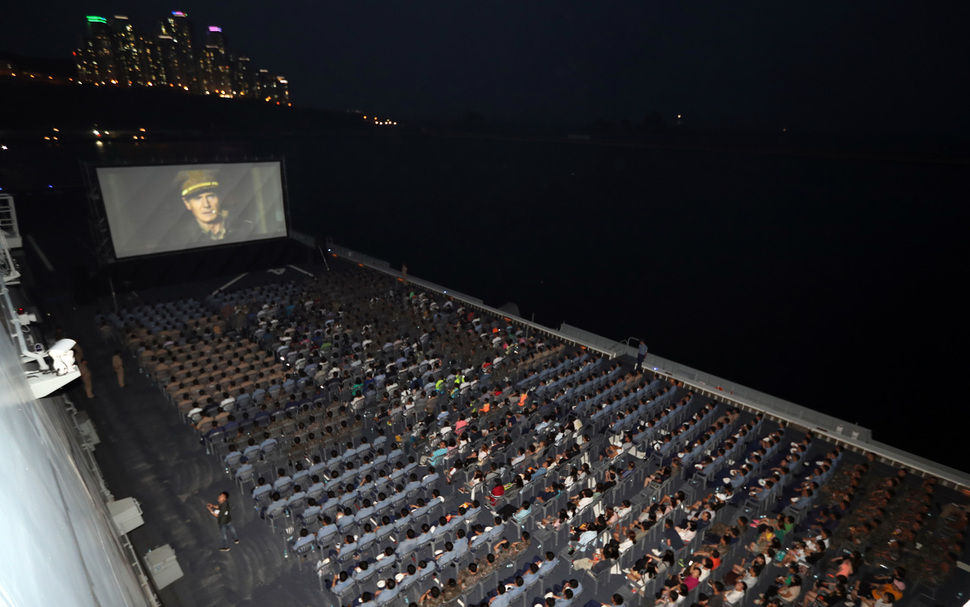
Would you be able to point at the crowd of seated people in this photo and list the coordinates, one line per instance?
(672, 526)
(255, 435)
(409, 447)
(526, 460)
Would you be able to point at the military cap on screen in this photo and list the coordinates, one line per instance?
(197, 181)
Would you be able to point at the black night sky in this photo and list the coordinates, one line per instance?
(867, 66)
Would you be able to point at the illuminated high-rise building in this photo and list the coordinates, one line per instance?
(264, 85)
(272, 89)
(168, 57)
(95, 58)
(281, 90)
(180, 62)
(216, 39)
(215, 63)
(85, 62)
(243, 77)
(127, 52)
(153, 65)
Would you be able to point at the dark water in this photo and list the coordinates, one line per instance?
(833, 283)
(830, 282)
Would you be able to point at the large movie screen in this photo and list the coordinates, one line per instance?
(160, 209)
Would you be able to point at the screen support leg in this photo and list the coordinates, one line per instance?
(229, 284)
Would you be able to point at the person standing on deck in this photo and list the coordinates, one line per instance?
(224, 518)
(119, 366)
(82, 366)
(641, 354)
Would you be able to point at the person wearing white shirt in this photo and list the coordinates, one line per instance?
(706, 568)
(736, 595)
(687, 534)
(749, 577)
(628, 542)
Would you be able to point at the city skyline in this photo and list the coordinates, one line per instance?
(112, 52)
(859, 68)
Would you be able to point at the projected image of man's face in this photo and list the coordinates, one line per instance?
(204, 205)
